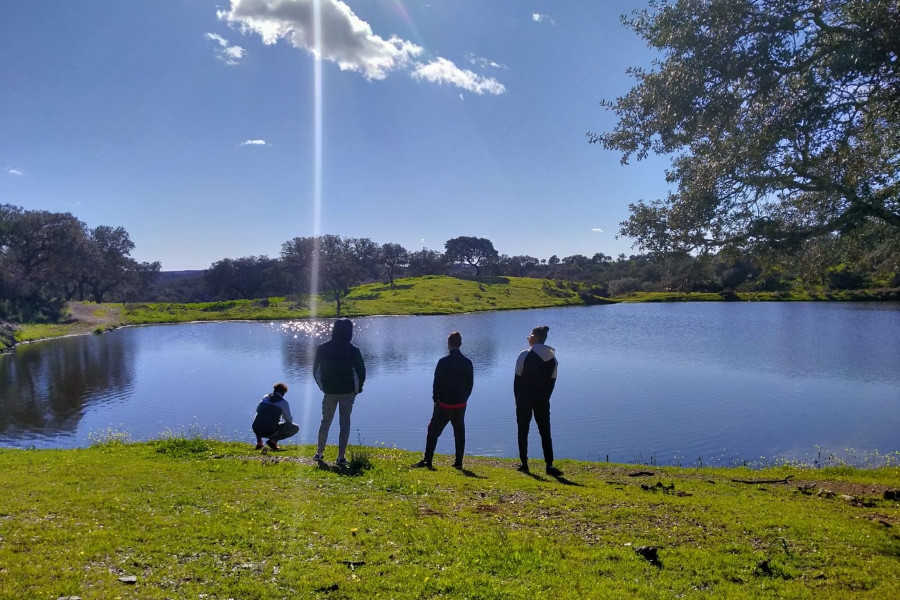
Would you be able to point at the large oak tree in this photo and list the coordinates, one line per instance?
(781, 118)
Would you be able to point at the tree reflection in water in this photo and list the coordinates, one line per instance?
(45, 387)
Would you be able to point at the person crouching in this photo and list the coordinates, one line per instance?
(273, 419)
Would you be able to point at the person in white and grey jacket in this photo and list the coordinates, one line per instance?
(273, 419)
(533, 386)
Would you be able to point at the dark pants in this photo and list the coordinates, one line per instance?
(541, 412)
(284, 431)
(439, 419)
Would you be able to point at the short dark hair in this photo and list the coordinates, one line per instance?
(540, 333)
(280, 388)
(454, 340)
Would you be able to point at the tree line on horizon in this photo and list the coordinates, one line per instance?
(47, 259)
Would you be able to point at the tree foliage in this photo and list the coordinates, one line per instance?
(782, 118)
(474, 251)
(393, 257)
(47, 258)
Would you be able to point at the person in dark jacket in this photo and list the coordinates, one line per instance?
(273, 419)
(340, 373)
(533, 385)
(453, 380)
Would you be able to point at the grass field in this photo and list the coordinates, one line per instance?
(427, 295)
(194, 518)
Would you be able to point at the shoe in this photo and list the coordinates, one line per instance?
(553, 471)
(457, 466)
(342, 462)
(523, 468)
(318, 457)
(259, 446)
(422, 464)
(273, 445)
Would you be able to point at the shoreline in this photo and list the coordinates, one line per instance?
(97, 319)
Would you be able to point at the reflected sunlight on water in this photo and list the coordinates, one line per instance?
(670, 381)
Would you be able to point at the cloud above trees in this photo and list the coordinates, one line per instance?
(226, 52)
(336, 34)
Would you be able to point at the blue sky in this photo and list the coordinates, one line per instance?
(212, 130)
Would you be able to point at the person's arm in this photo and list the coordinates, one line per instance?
(317, 368)
(436, 385)
(360, 368)
(520, 369)
(470, 379)
(286, 411)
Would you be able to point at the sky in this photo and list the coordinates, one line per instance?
(213, 130)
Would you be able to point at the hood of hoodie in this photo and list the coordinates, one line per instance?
(544, 351)
(343, 330)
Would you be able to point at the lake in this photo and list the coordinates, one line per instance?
(673, 383)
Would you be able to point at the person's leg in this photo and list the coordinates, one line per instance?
(329, 403)
(439, 420)
(285, 430)
(458, 419)
(523, 420)
(345, 407)
(542, 418)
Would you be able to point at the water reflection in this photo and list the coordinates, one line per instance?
(672, 381)
(46, 387)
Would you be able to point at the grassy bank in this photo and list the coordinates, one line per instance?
(192, 518)
(428, 295)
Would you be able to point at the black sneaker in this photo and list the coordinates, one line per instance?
(551, 470)
(273, 445)
(457, 466)
(523, 468)
(422, 464)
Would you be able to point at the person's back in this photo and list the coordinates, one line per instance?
(268, 416)
(454, 377)
(338, 366)
(537, 378)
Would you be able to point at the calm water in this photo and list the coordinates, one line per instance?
(664, 382)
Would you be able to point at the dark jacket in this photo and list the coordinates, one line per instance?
(453, 380)
(338, 367)
(269, 414)
(535, 375)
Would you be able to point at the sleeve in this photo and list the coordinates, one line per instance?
(317, 368)
(286, 411)
(470, 379)
(436, 384)
(360, 368)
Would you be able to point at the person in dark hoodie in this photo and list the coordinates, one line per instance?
(340, 373)
(533, 385)
(453, 380)
(273, 419)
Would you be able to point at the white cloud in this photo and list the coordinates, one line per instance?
(13, 171)
(539, 18)
(226, 52)
(443, 71)
(484, 63)
(345, 39)
(254, 143)
(597, 229)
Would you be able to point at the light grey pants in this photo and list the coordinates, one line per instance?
(343, 402)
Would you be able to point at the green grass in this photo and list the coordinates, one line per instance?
(410, 296)
(196, 518)
(429, 295)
